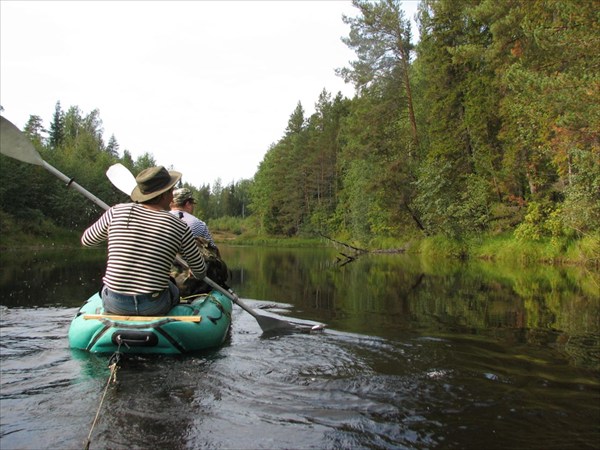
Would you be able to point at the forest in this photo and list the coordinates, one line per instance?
(488, 125)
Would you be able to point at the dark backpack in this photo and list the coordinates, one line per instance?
(216, 270)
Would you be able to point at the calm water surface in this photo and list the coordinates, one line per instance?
(417, 355)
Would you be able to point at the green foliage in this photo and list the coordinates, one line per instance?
(581, 208)
(442, 246)
(504, 96)
(451, 204)
(280, 242)
(75, 147)
(541, 221)
(295, 189)
(381, 37)
(504, 247)
(57, 127)
(235, 225)
(357, 201)
(507, 119)
(31, 228)
(144, 161)
(586, 250)
(112, 147)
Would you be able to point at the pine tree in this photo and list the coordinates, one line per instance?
(112, 148)
(381, 38)
(57, 131)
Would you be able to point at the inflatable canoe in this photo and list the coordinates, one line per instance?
(189, 327)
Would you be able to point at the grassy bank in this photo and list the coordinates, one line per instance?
(38, 233)
(508, 249)
(498, 247)
(505, 247)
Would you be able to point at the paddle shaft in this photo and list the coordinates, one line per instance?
(231, 295)
(71, 183)
(14, 144)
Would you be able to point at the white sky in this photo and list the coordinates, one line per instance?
(204, 86)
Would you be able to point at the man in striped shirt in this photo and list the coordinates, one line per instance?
(143, 240)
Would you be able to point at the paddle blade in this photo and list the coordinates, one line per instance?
(273, 325)
(121, 178)
(14, 144)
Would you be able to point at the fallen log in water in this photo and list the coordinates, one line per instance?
(357, 251)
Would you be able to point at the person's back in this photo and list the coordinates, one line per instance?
(142, 245)
(143, 240)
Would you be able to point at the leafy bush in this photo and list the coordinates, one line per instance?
(540, 221)
(235, 225)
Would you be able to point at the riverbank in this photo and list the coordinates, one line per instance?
(37, 233)
(504, 247)
(507, 248)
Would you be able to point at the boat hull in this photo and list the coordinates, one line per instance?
(188, 327)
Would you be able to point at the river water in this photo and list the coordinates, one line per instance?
(416, 355)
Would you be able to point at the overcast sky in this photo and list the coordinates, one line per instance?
(204, 86)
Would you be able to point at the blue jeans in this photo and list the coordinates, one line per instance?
(152, 304)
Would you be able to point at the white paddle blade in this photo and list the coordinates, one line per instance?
(14, 144)
(121, 178)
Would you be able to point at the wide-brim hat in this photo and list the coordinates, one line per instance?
(152, 182)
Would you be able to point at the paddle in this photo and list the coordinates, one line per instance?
(14, 144)
(121, 178)
(124, 180)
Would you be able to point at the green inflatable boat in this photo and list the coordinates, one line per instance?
(201, 324)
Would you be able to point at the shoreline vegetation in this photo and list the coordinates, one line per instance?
(501, 248)
(480, 142)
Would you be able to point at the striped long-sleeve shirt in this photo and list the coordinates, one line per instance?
(198, 227)
(142, 244)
